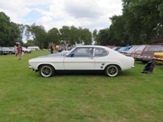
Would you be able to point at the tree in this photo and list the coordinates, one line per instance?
(10, 32)
(118, 33)
(141, 22)
(73, 35)
(95, 36)
(65, 34)
(143, 19)
(85, 36)
(53, 35)
(39, 36)
(103, 37)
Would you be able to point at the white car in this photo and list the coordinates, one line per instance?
(25, 50)
(83, 58)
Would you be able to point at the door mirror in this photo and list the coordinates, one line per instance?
(72, 55)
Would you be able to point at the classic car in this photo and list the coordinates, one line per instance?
(158, 56)
(82, 59)
(148, 53)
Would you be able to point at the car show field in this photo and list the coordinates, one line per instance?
(25, 96)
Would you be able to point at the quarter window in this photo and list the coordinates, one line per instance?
(99, 52)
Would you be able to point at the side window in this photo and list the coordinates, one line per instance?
(100, 52)
(83, 52)
(161, 49)
(153, 48)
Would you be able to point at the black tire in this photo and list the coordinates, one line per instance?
(46, 71)
(112, 70)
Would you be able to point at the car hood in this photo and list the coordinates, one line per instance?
(49, 58)
(51, 55)
(60, 54)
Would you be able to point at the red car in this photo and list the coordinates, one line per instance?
(148, 52)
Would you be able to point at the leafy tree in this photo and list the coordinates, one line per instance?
(95, 35)
(10, 32)
(118, 33)
(53, 35)
(73, 35)
(65, 36)
(143, 20)
(39, 36)
(86, 36)
(103, 37)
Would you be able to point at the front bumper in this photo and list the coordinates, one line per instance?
(30, 67)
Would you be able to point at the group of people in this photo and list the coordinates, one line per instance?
(52, 47)
(18, 51)
(59, 48)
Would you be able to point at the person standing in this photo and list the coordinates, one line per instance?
(51, 48)
(19, 51)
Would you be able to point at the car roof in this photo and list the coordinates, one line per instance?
(92, 46)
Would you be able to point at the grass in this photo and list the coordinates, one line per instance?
(27, 97)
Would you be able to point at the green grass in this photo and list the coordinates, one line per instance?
(27, 97)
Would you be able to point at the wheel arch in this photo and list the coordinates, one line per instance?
(45, 64)
(119, 67)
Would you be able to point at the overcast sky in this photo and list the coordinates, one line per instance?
(91, 14)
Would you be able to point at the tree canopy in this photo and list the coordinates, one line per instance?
(9, 31)
(141, 22)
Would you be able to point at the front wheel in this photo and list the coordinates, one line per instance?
(112, 70)
(46, 71)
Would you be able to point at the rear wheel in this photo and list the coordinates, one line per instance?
(112, 70)
(46, 71)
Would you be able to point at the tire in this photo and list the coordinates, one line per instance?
(46, 71)
(112, 70)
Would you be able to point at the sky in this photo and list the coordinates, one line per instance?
(91, 14)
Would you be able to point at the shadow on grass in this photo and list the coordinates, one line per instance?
(87, 74)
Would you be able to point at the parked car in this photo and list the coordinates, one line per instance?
(148, 53)
(83, 58)
(116, 48)
(11, 50)
(158, 56)
(33, 48)
(138, 52)
(4, 51)
(124, 49)
(26, 50)
(131, 51)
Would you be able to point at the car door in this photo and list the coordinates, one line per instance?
(101, 56)
(80, 59)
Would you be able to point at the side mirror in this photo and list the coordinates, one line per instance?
(72, 55)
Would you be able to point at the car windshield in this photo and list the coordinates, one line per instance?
(132, 49)
(68, 52)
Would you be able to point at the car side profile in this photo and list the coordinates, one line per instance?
(148, 53)
(83, 58)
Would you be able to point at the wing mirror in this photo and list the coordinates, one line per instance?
(72, 55)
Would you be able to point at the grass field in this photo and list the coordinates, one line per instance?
(27, 97)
